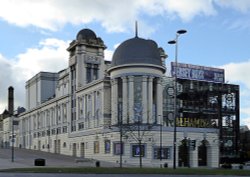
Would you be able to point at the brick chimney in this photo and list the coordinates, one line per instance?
(11, 100)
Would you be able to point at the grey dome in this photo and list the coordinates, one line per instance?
(85, 34)
(137, 50)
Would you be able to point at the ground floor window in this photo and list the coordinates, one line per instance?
(118, 148)
(107, 146)
(165, 153)
(137, 150)
(96, 147)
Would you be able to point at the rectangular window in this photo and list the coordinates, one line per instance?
(73, 127)
(43, 133)
(95, 72)
(96, 147)
(107, 146)
(65, 129)
(80, 126)
(88, 73)
(80, 107)
(137, 151)
(64, 113)
(53, 131)
(58, 130)
(48, 132)
(118, 148)
(165, 153)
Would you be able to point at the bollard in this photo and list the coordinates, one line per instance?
(39, 162)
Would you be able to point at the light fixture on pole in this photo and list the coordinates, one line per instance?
(178, 33)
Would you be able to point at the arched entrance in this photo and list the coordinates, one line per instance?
(184, 154)
(202, 153)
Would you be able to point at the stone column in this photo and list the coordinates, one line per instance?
(114, 98)
(150, 100)
(193, 157)
(131, 98)
(93, 119)
(79, 69)
(83, 107)
(144, 99)
(159, 101)
(124, 100)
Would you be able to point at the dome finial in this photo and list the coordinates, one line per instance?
(136, 29)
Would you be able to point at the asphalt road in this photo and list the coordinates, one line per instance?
(95, 175)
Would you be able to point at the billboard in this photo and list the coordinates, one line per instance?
(194, 72)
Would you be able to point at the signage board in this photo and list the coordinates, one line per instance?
(195, 72)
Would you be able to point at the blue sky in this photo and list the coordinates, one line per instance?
(35, 34)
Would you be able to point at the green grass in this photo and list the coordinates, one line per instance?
(87, 170)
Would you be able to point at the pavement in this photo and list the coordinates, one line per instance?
(24, 158)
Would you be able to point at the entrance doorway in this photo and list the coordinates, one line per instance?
(57, 146)
(74, 150)
(82, 150)
(202, 153)
(184, 153)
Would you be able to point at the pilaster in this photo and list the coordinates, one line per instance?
(124, 100)
(159, 101)
(131, 98)
(114, 98)
(150, 100)
(144, 99)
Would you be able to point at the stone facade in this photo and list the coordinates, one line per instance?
(98, 104)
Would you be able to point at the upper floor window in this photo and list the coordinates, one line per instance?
(88, 73)
(95, 72)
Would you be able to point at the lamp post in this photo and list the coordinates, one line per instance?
(178, 33)
(160, 143)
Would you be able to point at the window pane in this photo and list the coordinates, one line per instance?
(118, 148)
(107, 146)
(136, 150)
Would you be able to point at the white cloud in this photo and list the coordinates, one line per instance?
(240, 5)
(245, 121)
(50, 55)
(6, 76)
(188, 9)
(113, 15)
(238, 72)
(108, 54)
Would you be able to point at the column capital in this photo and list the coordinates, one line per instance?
(114, 81)
(131, 78)
(150, 78)
(144, 78)
(124, 79)
(159, 80)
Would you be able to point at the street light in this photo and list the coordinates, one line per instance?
(178, 33)
(160, 142)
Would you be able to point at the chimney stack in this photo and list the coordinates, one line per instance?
(11, 100)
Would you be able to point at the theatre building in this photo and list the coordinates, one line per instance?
(123, 110)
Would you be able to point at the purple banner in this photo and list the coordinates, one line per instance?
(194, 72)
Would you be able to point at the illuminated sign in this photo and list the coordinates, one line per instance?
(193, 122)
(194, 72)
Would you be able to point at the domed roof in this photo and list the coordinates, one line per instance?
(85, 34)
(137, 50)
